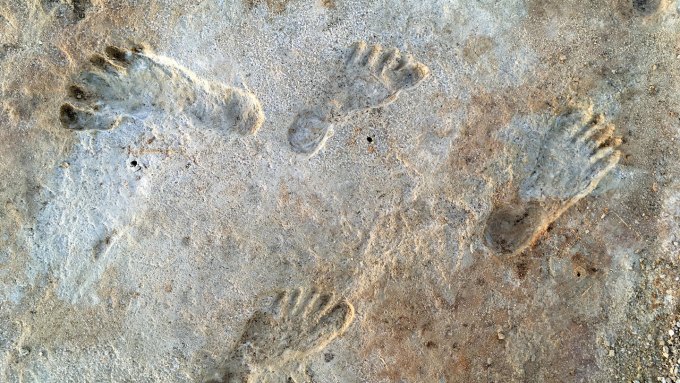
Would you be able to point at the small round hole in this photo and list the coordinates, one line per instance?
(369, 139)
(133, 163)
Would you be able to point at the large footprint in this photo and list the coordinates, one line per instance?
(137, 84)
(373, 77)
(577, 152)
(299, 324)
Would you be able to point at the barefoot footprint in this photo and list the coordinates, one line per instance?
(577, 152)
(299, 324)
(136, 84)
(373, 77)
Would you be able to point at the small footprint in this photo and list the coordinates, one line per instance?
(135, 84)
(373, 77)
(275, 342)
(577, 152)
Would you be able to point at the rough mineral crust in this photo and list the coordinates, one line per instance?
(339, 191)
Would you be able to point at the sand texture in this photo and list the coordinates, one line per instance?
(339, 191)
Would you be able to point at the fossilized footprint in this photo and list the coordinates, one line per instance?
(137, 83)
(577, 152)
(276, 342)
(373, 77)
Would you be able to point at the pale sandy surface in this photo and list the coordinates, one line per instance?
(117, 272)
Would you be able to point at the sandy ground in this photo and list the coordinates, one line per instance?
(153, 251)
